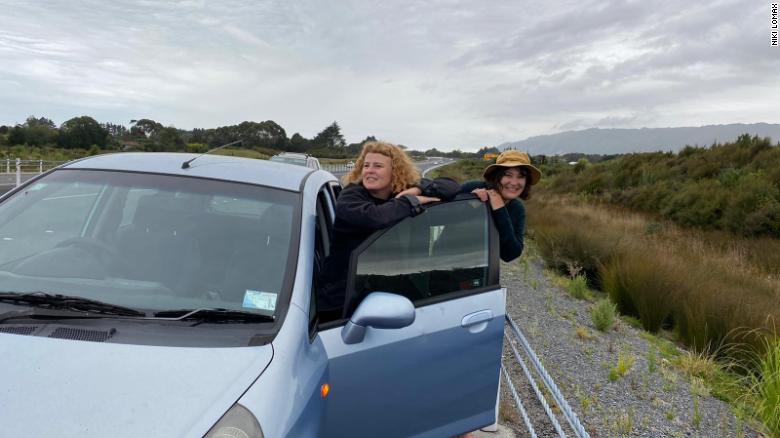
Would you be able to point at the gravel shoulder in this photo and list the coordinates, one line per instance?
(652, 399)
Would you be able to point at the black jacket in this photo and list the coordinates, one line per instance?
(358, 215)
(510, 221)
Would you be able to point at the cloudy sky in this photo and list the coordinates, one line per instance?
(436, 73)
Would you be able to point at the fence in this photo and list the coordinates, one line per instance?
(24, 169)
(514, 339)
(338, 168)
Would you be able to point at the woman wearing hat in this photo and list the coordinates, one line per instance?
(504, 184)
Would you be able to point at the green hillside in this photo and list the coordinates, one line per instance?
(733, 187)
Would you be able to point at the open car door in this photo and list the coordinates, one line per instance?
(438, 375)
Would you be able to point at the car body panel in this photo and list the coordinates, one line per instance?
(299, 369)
(395, 382)
(70, 388)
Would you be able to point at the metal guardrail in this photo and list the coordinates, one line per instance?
(21, 167)
(337, 168)
(557, 396)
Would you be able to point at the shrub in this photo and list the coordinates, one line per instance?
(643, 284)
(578, 287)
(603, 315)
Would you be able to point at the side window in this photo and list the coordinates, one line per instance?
(445, 250)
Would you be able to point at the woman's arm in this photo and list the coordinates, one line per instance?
(443, 188)
(355, 207)
(510, 221)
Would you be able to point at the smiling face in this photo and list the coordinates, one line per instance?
(512, 183)
(377, 175)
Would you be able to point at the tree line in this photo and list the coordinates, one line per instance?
(84, 132)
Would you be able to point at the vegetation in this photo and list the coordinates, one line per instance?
(603, 315)
(86, 136)
(733, 187)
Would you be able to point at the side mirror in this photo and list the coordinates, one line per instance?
(379, 310)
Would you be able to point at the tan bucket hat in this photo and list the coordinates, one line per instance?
(513, 158)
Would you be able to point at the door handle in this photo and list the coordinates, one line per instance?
(477, 321)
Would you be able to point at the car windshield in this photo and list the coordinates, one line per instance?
(150, 242)
(290, 160)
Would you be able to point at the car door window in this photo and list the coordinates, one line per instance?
(444, 251)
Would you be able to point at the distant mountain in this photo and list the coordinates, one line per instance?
(621, 141)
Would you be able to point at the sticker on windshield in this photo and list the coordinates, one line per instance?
(255, 299)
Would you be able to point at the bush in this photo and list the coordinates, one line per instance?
(578, 287)
(603, 315)
(644, 285)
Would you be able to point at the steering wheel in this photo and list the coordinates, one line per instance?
(94, 247)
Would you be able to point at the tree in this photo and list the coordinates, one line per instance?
(330, 137)
(355, 148)
(38, 131)
(298, 143)
(167, 139)
(82, 132)
(146, 126)
(33, 121)
(16, 136)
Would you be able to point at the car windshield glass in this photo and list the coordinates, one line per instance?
(290, 160)
(149, 242)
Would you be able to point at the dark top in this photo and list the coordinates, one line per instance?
(358, 215)
(510, 221)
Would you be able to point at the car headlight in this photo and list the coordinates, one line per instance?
(238, 422)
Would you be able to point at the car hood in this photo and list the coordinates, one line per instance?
(51, 387)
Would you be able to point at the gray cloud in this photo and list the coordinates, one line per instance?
(444, 73)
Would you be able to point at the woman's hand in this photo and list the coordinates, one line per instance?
(427, 199)
(414, 191)
(484, 195)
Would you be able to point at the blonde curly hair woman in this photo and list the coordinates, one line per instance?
(404, 172)
(383, 188)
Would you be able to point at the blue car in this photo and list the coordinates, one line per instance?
(174, 295)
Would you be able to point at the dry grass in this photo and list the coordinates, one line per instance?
(707, 288)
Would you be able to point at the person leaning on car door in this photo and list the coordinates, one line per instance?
(504, 185)
(383, 188)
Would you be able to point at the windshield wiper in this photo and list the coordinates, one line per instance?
(217, 315)
(59, 314)
(67, 302)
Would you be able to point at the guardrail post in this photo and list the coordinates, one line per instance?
(7, 165)
(18, 172)
(40, 166)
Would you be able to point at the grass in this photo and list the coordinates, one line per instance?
(624, 423)
(765, 388)
(624, 364)
(583, 333)
(652, 360)
(698, 285)
(603, 315)
(578, 287)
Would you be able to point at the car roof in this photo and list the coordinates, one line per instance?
(246, 170)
